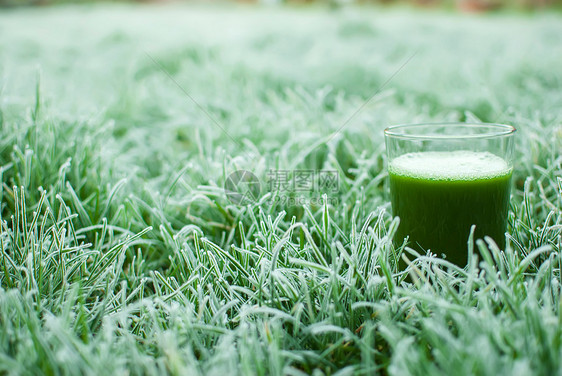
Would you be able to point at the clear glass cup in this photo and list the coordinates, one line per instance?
(446, 177)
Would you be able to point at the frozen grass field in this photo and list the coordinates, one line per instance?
(121, 253)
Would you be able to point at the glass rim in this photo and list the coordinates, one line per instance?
(489, 130)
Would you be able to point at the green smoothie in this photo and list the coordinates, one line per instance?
(440, 195)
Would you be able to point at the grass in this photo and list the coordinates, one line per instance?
(121, 253)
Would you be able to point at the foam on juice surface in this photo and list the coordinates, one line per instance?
(450, 165)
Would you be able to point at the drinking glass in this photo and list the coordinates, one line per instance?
(446, 177)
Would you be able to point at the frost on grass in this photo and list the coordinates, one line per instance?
(120, 252)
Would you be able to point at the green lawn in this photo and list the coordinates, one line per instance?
(122, 254)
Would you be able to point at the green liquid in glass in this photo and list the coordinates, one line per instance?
(440, 195)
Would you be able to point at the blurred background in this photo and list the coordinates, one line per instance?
(457, 5)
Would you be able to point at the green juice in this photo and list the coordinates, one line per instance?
(440, 195)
